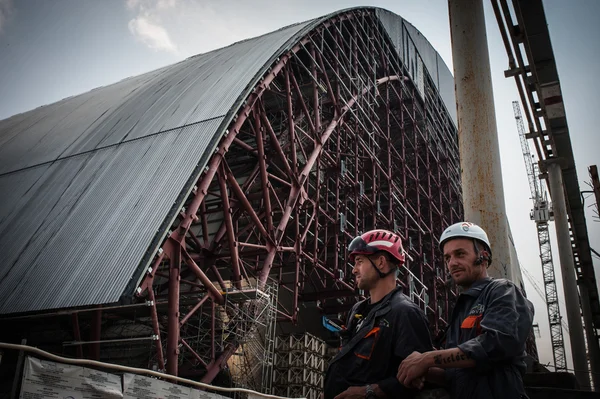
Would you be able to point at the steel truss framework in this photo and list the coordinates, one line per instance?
(334, 140)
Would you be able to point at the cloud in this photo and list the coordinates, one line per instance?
(152, 34)
(6, 9)
(132, 4)
(189, 27)
(147, 27)
(165, 4)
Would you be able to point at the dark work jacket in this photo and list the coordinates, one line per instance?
(490, 323)
(394, 328)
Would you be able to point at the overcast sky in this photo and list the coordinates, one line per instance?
(50, 50)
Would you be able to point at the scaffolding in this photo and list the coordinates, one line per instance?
(248, 319)
(338, 137)
(300, 364)
(337, 140)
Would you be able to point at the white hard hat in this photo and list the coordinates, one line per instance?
(465, 230)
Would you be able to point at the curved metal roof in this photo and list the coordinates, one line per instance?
(89, 185)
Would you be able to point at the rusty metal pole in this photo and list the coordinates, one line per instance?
(567, 268)
(593, 353)
(483, 192)
(96, 334)
(173, 313)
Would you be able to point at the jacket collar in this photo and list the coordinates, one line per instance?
(382, 304)
(386, 299)
(477, 286)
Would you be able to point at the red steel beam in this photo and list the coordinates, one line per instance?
(227, 211)
(173, 312)
(260, 145)
(193, 310)
(213, 291)
(215, 366)
(247, 206)
(156, 329)
(212, 331)
(96, 334)
(77, 334)
(193, 352)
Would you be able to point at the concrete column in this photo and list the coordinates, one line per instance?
(483, 192)
(567, 268)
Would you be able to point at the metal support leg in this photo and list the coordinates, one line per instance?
(77, 334)
(567, 267)
(96, 334)
(173, 316)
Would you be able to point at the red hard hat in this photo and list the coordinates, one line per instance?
(374, 241)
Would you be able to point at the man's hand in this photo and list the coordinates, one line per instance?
(418, 383)
(412, 368)
(353, 393)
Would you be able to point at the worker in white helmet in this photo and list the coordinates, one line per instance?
(485, 340)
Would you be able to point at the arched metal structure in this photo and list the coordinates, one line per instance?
(334, 141)
(336, 135)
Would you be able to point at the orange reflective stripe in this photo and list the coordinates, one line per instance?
(372, 332)
(470, 321)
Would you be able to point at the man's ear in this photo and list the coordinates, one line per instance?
(383, 261)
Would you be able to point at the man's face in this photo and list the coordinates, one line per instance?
(366, 276)
(459, 257)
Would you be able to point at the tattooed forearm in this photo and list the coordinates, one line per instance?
(450, 358)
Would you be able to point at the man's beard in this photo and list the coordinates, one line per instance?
(366, 283)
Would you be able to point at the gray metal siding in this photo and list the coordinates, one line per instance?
(87, 184)
(201, 87)
(79, 227)
(409, 40)
(446, 88)
(425, 50)
(394, 26)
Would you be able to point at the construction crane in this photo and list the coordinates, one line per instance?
(541, 214)
(539, 291)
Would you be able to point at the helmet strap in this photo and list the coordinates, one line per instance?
(379, 272)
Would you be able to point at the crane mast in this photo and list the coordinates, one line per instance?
(541, 214)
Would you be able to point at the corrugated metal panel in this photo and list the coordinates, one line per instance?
(424, 48)
(193, 90)
(77, 229)
(394, 26)
(446, 88)
(87, 183)
(409, 40)
(420, 78)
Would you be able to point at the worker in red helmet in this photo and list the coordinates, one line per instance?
(381, 330)
(490, 322)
